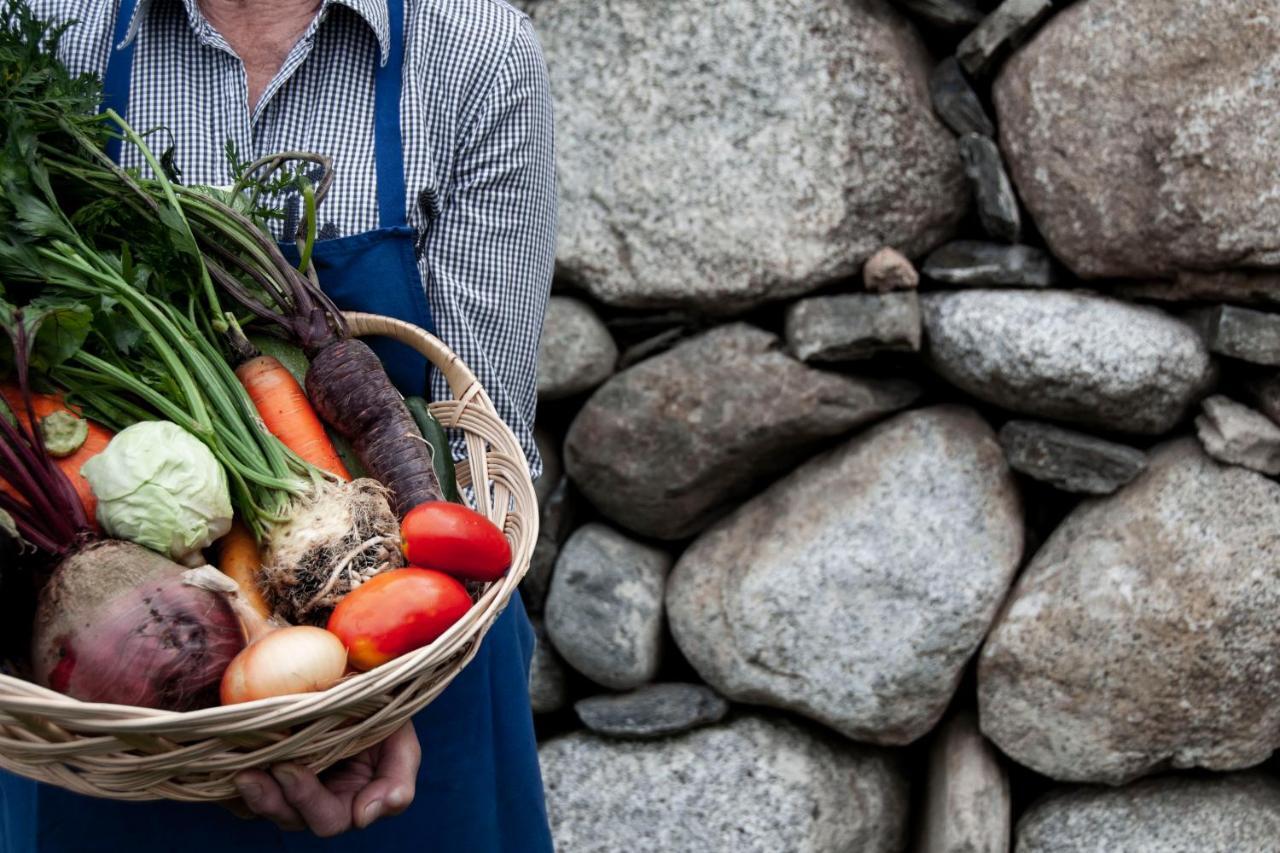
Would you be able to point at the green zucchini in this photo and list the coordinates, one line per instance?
(441, 456)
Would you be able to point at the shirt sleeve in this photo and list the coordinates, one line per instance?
(490, 251)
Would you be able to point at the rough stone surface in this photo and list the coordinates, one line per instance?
(1068, 356)
(754, 785)
(576, 352)
(1142, 635)
(656, 710)
(888, 270)
(1142, 135)
(855, 590)
(968, 808)
(1239, 286)
(1226, 814)
(948, 14)
(1070, 460)
(661, 446)
(1236, 434)
(1242, 333)
(604, 610)
(997, 203)
(547, 690)
(973, 263)
(722, 155)
(955, 102)
(853, 326)
(1002, 30)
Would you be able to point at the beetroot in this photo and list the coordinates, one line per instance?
(117, 623)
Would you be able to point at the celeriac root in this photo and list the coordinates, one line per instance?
(332, 544)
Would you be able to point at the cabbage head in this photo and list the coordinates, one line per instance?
(159, 486)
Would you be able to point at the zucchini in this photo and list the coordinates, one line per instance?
(441, 456)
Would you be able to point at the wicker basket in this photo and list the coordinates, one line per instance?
(129, 753)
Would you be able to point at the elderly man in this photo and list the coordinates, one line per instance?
(438, 118)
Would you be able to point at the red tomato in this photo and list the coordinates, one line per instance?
(455, 539)
(396, 612)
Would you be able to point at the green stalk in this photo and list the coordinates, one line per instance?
(215, 307)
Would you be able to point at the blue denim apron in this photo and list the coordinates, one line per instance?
(479, 789)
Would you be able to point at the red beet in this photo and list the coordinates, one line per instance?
(116, 623)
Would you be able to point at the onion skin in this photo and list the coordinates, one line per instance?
(116, 623)
(300, 659)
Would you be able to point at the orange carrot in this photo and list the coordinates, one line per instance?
(240, 559)
(287, 413)
(45, 405)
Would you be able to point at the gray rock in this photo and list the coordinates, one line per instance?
(604, 610)
(1001, 31)
(1246, 287)
(663, 445)
(1234, 433)
(1242, 333)
(968, 807)
(754, 785)
(973, 263)
(997, 204)
(853, 326)
(888, 269)
(947, 14)
(1069, 460)
(1142, 135)
(557, 515)
(1068, 356)
(547, 690)
(955, 102)
(1142, 634)
(1224, 814)
(576, 352)
(780, 145)
(656, 710)
(855, 590)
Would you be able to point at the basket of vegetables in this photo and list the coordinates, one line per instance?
(212, 558)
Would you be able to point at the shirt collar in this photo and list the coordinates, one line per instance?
(372, 12)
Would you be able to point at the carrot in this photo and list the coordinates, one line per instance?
(287, 414)
(240, 560)
(45, 405)
(351, 391)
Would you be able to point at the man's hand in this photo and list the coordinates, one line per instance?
(353, 793)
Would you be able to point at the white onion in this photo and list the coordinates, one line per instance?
(298, 659)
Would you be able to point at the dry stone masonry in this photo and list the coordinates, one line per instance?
(910, 402)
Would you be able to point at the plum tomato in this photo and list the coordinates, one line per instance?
(395, 612)
(456, 540)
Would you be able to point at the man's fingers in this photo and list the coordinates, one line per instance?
(395, 779)
(237, 807)
(324, 814)
(264, 798)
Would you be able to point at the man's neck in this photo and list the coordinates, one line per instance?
(261, 32)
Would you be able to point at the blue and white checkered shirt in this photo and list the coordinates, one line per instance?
(477, 127)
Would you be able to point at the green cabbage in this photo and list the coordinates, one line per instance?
(159, 486)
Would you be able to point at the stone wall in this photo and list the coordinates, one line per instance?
(910, 403)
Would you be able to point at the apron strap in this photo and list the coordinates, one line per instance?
(389, 146)
(115, 83)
